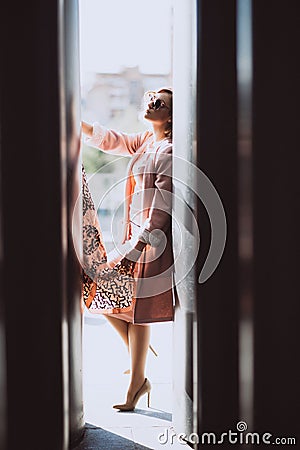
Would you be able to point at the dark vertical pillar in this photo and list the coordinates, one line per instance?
(70, 103)
(39, 158)
(276, 144)
(217, 298)
(244, 80)
(32, 226)
(3, 386)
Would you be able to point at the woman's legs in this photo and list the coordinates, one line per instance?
(121, 326)
(136, 338)
(139, 337)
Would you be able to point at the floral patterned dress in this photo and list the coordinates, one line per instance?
(104, 290)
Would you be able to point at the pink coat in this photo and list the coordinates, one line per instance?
(155, 268)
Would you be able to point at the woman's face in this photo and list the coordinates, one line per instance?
(158, 107)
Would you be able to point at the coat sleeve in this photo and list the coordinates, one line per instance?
(115, 142)
(160, 215)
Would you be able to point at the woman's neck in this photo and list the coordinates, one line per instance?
(158, 133)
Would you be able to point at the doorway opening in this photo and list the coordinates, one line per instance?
(126, 49)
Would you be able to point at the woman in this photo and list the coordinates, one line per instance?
(147, 225)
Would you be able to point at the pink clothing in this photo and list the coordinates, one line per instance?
(148, 203)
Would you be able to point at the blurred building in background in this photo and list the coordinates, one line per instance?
(115, 99)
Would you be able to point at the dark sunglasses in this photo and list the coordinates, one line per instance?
(157, 103)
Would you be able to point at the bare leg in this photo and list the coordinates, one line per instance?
(121, 326)
(139, 337)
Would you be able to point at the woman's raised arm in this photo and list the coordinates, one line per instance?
(114, 142)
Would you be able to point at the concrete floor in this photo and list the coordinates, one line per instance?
(104, 384)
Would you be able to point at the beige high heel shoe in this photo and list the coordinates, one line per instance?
(144, 389)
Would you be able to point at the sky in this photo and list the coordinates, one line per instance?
(116, 33)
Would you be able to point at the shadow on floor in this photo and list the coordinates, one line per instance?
(96, 438)
(157, 413)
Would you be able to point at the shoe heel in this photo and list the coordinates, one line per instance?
(148, 399)
(153, 351)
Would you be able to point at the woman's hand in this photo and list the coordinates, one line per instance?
(87, 128)
(127, 263)
(133, 255)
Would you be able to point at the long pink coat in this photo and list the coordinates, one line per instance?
(155, 292)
